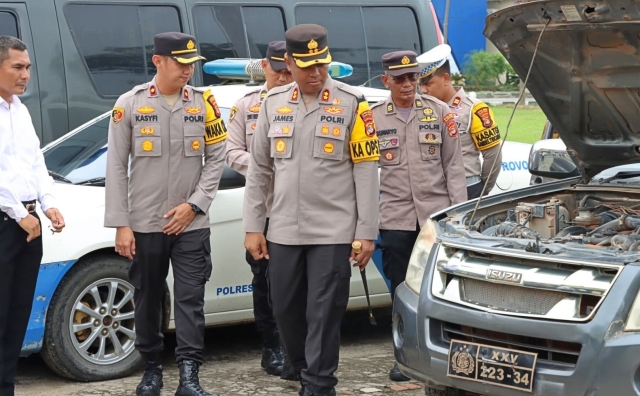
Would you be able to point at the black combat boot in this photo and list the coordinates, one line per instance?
(396, 375)
(272, 353)
(152, 378)
(189, 381)
(288, 372)
(315, 390)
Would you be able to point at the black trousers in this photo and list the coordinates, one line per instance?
(310, 292)
(396, 247)
(261, 305)
(474, 190)
(19, 266)
(190, 255)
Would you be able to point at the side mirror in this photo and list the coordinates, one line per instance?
(549, 158)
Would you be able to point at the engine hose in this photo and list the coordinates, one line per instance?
(583, 201)
(624, 223)
(511, 229)
(624, 242)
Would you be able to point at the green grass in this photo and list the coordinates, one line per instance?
(526, 126)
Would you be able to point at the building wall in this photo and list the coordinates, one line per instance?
(466, 24)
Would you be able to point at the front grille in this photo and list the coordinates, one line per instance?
(557, 353)
(510, 298)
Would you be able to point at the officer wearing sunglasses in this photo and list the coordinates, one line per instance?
(422, 169)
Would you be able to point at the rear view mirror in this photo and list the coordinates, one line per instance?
(549, 158)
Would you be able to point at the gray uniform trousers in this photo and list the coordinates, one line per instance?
(190, 255)
(309, 287)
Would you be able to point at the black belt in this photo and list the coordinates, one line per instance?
(30, 205)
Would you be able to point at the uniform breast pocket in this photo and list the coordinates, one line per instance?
(389, 151)
(148, 146)
(430, 145)
(328, 142)
(281, 142)
(194, 140)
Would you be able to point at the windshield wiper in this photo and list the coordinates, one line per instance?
(619, 175)
(94, 181)
(59, 177)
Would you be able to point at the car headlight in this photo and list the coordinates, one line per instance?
(633, 321)
(420, 255)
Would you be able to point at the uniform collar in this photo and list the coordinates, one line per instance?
(390, 108)
(327, 89)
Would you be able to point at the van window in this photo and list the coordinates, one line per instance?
(8, 24)
(119, 57)
(355, 35)
(220, 30)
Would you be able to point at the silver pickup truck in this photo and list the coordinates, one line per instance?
(537, 291)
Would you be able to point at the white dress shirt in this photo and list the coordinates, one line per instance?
(23, 173)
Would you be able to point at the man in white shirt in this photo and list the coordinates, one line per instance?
(23, 181)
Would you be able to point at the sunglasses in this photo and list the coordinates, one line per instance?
(412, 77)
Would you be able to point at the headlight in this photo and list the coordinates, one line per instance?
(633, 321)
(419, 255)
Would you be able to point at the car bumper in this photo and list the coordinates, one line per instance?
(608, 363)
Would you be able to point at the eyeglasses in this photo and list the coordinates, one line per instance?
(413, 77)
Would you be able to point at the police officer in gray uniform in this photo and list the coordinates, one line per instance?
(242, 124)
(479, 133)
(161, 209)
(421, 165)
(317, 139)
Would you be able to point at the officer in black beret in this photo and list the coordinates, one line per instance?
(163, 216)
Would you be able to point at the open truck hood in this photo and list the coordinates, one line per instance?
(586, 75)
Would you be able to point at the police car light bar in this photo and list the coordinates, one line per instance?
(250, 69)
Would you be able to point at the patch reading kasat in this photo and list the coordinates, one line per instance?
(117, 114)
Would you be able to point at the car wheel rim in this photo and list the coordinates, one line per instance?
(101, 323)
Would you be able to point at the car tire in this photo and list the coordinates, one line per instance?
(89, 331)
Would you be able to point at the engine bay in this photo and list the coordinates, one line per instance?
(602, 221)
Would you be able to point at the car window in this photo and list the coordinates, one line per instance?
(8, 24)
(83, 155)
(221, 31)
(120, 56)
(355, 36)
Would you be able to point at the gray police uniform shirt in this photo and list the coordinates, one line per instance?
(166, 147)
(479, 135)
(243, 120)
(422, 170)
(324, 164)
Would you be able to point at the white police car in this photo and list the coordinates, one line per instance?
(82, 317)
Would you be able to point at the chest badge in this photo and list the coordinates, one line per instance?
(195, 145)
(147, 131)
(281, 146)
(255, 108)
(432, 150)
(328, 148)
(325, 130)
(388, 156)
(147, 145)
(146, 110)
(336, 101)
(333, 110)
(430, 138)
(336, 131)
(193, 110)
(285, 110)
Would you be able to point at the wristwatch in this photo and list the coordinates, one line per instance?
(195, 208)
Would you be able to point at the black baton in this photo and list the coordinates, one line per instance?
(357, 249)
